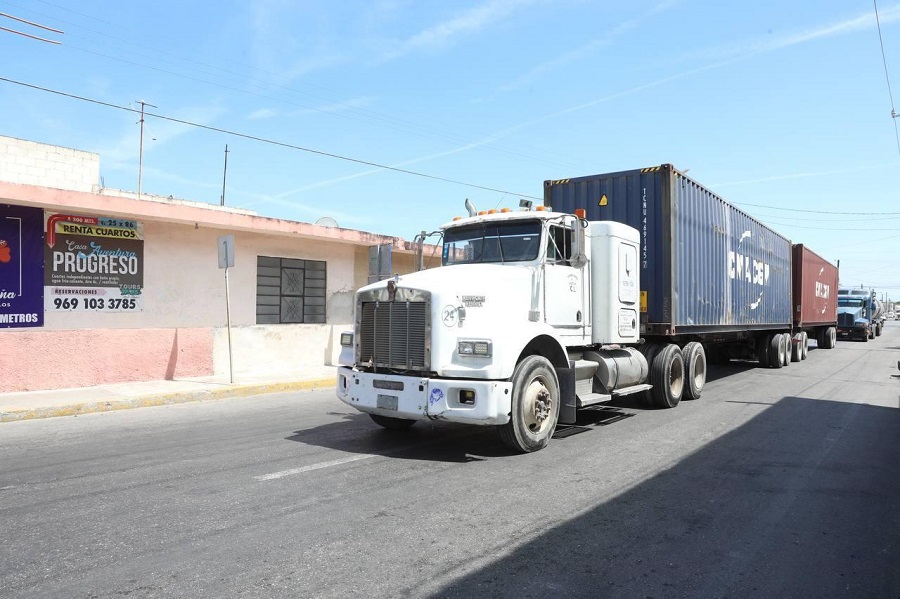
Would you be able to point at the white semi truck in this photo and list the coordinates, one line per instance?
(532, 315)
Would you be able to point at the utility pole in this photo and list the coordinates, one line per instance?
(224, 173)
(141, 149)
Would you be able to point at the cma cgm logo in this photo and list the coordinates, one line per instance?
(823, 290)
(743, 267)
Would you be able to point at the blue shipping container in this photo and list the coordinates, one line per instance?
(706, 267)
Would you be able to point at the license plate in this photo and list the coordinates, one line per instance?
(387, 402)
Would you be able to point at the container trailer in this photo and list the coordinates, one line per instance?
(815, 285)
(620, 284)
(710, 273)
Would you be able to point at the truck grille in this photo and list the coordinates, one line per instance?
(846, 320)
(394, 335)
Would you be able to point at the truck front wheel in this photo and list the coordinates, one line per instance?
(535, 406)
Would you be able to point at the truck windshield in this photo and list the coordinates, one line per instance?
(515, 241)
(848, 302)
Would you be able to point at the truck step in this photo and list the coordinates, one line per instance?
(589, 399)
(632, 389)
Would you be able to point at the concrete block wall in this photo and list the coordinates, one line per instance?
(45, 165)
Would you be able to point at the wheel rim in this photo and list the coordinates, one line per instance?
(538, 406)
(699, 368)
(676, 378)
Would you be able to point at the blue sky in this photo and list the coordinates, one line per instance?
(780, 107)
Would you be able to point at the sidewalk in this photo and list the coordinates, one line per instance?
(119, 396)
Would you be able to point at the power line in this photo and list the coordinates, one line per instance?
(817, 211)
(894, 114)
(269, 141)
(23, 34)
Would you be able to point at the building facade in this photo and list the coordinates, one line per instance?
(100, 286)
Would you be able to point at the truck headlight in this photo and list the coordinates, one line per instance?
(346, 339)
(482, 348)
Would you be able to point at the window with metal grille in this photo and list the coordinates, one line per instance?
(289, 290)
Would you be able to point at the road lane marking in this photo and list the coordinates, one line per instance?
(319, 466)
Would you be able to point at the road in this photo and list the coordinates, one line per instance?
(776, 483)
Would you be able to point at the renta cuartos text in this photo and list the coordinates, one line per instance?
(99, 261)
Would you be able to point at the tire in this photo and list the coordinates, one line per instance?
(878, 330)
(667, 377)
(394, 424)
(820, 338)
(776, 351)
(829, 338)
(804, 345)
(694, 356)
(535, 406)
(788, 347)
(797, 347)
(762, 350)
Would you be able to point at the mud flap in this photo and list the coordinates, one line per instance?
(566, 377)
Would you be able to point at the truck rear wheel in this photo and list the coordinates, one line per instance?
(395, 424)
(535, 406)
(878, 330)
(829, 338)
(788, 346)
(797, 347)
(776, 350)
(804, 345)
(667, 377)
(695, 366)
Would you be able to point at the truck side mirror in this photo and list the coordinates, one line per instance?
(578, 257)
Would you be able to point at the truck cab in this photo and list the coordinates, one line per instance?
(858, 314)
(525, 307)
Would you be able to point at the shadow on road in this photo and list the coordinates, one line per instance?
(801, 501)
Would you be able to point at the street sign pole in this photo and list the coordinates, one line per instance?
(226, 259)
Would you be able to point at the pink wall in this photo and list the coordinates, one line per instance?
(42, 359)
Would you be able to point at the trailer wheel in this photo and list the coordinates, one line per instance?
(796, 347)
(776, 351)
(667, 377)
(695, 366)
(762, 350)
(535, 406)
(395, 424)
(804, 345)
(829, 338)
(788, 348)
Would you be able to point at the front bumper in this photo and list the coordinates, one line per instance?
(853, 333)
(422, 398)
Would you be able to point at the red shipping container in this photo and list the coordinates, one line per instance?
(815, 289)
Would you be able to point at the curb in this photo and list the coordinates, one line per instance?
(162, 399)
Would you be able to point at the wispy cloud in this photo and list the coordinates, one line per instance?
(336, 107)
(785, 177)
(467, 23)
(585, 50)
(747, 50)
(769, 43)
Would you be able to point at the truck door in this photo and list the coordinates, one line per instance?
(563, 285)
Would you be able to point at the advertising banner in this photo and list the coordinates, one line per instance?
(21, 266)
(93, 263)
